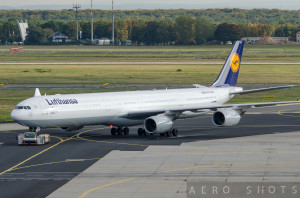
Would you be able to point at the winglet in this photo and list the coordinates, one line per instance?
(37, 92)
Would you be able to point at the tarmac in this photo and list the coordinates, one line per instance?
(163, 171)
(264, 147)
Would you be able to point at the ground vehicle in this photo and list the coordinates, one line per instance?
(33, 138)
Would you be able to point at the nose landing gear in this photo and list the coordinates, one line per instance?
(35, 129)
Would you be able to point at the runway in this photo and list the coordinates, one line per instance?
(93, 163)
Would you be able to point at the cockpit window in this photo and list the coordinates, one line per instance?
(23, 107)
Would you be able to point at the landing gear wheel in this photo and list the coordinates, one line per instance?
(119, 130)
(141, 131)
(169, 133)
(162, 134)
(113, 131)
(126, 131)
(146, 133)
(175, 132)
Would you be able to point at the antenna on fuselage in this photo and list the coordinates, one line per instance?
(37, 92)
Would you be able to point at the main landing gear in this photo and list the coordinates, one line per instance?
(172, 132)
(119, 130)
(141, 132)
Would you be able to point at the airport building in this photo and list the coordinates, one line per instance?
(58, 37)
(255, 39)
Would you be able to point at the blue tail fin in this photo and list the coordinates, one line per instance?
(230, 71)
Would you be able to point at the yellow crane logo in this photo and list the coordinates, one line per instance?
(235, 62)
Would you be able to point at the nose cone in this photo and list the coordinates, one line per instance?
(14, 115)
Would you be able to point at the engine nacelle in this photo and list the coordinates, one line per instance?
(226, 117)
(71, 128)
(158, 124)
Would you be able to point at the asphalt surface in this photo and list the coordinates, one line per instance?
(37, 171)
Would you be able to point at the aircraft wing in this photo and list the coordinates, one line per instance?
(140, 114)
(262, 89)
(144, 113)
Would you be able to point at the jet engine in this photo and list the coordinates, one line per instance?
(226, 117)
(72, 128)
(158, 124)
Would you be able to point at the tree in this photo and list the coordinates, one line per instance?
(69, 29)
(165, 32)
(204, 29)
(227, 32)
(266, 30)
(138, 34)
(56, 26)
(150, 32)
(184, 27)
(121, 31)
(286, 30)
(9, 32)
(129, 27)
(86, 29)
(101, 29)
(35, 36)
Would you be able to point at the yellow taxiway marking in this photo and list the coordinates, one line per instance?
(50, 163)
(43, 151)
(229, 152)
(280, 112)
(109, 142)
(106, 185)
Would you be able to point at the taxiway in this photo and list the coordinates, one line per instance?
(92, 163)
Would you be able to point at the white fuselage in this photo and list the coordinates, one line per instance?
(76, 110)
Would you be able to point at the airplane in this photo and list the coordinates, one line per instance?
(155, 110)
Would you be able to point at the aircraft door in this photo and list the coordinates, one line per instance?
(44, 109)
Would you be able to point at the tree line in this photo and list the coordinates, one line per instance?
(237, 16)
(184, 30)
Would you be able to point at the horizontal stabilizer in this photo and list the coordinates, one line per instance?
(262, 89)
